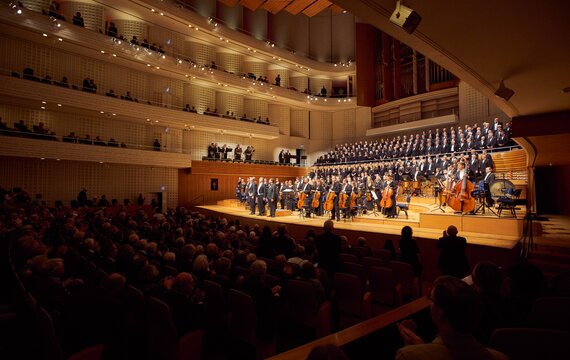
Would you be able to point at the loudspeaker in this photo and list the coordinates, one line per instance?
(405, 18)
(504, 92)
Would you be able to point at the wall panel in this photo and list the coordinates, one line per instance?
(194, 186)
(62, 180)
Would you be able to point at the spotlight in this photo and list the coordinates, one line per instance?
(504, 92)
(405, 18)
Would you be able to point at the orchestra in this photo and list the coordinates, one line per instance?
(358, 189)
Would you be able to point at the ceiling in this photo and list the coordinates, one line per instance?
(526, 43)
(294, 7)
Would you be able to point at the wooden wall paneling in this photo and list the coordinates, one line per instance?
(194, 183)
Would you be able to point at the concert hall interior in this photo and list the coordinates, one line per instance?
(286, 179)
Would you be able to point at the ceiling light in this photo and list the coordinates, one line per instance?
(44, 34)
(59, 105)
(43, 102)
(102, 112)
(114, 114)
(42, 158)
(60, 39)
(43, 107)
(102, 51)
(57, 159)
(114, 55)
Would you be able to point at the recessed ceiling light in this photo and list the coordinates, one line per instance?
(42, 158)
(102, 51)
(59, 105)
(43, 108)
(57, 159)
(60, 39)
(100, 162)
(114, 114)
(43, 102)
(114, 55)
(44, 34)
(102, 112)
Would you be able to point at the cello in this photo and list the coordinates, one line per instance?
(316, 199)
(301, 201)
(342, 201)
(386, 201)
(461, 199)
(329, 203)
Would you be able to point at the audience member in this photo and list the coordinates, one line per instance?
(452, 259)
(455, 310)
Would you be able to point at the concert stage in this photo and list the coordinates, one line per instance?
(427, 220)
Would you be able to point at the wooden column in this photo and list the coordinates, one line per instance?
(387, 63)
(397, 70)
(364, 56)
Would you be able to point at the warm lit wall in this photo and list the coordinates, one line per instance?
(194, 184)
(62, 180)
(474, 107)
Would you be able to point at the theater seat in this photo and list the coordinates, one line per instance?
(531, 344)
(551, 313)
(164, 342)
(303, 305)
(404, 276)
(354, 305)
(385, 293)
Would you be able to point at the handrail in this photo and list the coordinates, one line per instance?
(358, 331)
(82, 141)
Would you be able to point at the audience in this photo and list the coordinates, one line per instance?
(135, 247)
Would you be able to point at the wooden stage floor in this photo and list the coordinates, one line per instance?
(425, 219)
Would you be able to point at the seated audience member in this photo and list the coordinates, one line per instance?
(488, 281)
(86, 140)
(78, 20)
(193, 110)
(99, 142)
(112, 31)
(112, 142)
(111, 93)
(409, 250)
(86, 86)
(128, 96)
(187, 108)
(455, 311)
(134, 40)
(156, 145)
(185, 301)
(63, 82)
(47, 80)
(265, 299)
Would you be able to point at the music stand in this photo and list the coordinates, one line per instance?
(482, 197)
(437, 189)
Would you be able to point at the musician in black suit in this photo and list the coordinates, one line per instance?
(390, 212)
(237, 152)
(496, 124)
(486, 160)
(251, 194)
(307, 189)
(487, 181)
(336, 188)
(272, 197)
(346, 189)
(261, 196)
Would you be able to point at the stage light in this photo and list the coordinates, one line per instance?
(405, 18)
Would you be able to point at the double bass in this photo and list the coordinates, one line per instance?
(342, 200)
(461, 199)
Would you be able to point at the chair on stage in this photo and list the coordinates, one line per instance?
(403, 206)
(509, 201)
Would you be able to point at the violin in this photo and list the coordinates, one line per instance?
(316, 199)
